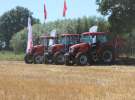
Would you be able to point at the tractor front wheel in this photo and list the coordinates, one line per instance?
(38, 59)
(81, 59)
(28, 59)
(59, 58)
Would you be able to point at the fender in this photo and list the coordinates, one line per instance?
(58, 53)
(78, 54)
(37, 54)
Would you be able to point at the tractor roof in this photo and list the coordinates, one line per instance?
(47, 37)
(95, 33)
(70, 35)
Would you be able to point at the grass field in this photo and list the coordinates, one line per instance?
(10, 56)
(19, 81)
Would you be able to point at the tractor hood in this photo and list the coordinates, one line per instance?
(37, 49)
(82, 47)
(57, 47)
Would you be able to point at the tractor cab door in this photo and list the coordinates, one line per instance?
(45, 43)
(67, 43)
(101, 41)
(64, 41)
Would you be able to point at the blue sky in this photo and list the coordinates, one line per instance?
(76, 8)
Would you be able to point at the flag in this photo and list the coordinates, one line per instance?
(65, 8)
(45, 11)
(29, 42)
(93, 29)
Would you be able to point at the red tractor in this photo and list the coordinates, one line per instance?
(37, 52)
(94, 47)
(56, 52)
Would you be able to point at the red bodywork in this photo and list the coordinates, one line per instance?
(57, 47)
(85, 47)
(40, 49)
(82, 47)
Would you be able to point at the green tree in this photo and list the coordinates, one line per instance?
(14, 21)
(121, 14)
(78, 26)
(19, 40)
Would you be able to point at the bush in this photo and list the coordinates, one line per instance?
(10, 56)
(19, 40)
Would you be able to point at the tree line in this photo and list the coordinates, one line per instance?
(121, 14)
(71, 26)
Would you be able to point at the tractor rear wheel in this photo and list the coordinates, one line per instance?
(107, 56)
(28, 59)
(81, 59)
(58, 58)
(38, 59)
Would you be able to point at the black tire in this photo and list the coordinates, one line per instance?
(38, 59)
(28, 59)
(68, 61)
(107, 56)
(58, 58)
(47, 59)
(94, 57)
(81, 59)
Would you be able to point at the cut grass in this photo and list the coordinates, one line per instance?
(19, 81)
(10, 56)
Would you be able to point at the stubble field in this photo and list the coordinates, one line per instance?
(19, 81)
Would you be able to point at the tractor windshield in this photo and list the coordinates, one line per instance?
(48, 41)
(87, 39)
(69, 40)
(44, 41)
(94, 38)
(102, 38)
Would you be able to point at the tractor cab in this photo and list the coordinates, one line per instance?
(47, 41)
(37, 51)
(67, 40)
(56, 52)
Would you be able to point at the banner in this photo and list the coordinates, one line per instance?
(29, 42)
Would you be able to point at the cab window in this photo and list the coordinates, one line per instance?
(87, 39)
(64, 40)
(102, 38)
(74, 39)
